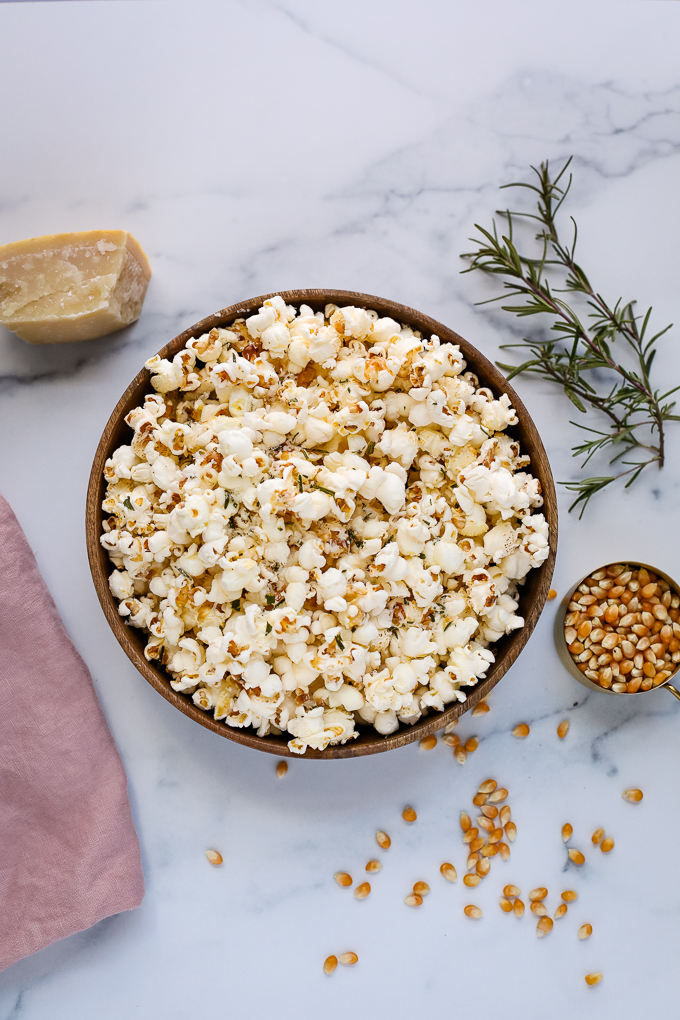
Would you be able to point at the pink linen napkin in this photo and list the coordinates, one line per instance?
(69, 854)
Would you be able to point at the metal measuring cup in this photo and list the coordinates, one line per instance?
(563, 650)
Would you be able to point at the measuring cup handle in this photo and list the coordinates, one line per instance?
(674, 692)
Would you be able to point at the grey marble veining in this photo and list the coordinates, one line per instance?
(256, 147)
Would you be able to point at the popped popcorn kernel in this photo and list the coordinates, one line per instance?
(320, 523)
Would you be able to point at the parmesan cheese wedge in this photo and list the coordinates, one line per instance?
(66, 287)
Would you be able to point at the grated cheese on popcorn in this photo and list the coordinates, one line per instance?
(320, 523)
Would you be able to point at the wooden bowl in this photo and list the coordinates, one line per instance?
(533, 592)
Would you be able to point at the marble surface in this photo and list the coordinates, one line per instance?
(258, 146)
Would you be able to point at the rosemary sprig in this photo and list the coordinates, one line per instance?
(578, 356)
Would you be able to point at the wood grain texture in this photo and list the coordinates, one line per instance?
(533, 593)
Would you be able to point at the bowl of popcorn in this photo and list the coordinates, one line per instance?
(321, 523)
(618, 629)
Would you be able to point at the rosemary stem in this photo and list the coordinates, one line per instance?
(631, 333)
(574, 352)
(554, 305)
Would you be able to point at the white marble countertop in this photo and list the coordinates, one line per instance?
(252, 147)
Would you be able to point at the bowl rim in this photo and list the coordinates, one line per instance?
(512, 644)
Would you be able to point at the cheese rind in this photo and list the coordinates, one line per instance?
(62, 288)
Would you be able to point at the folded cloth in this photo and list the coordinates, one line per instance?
(69, 854)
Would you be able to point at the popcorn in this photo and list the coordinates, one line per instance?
(120, 584)
(318, 727)
(320, 523)
(164, 471)
(166, 375)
